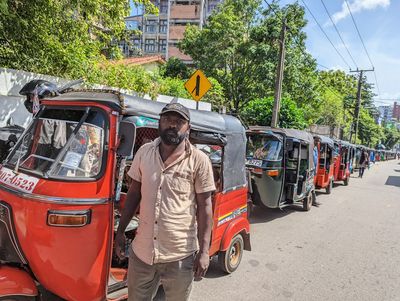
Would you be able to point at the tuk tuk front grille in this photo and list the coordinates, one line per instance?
(9, 246)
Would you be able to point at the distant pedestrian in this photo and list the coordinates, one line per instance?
(363, 163)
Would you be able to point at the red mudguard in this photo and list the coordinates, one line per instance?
(16, 282)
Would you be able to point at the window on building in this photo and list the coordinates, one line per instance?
(163, 26)
(136, 43)
(162, 46)
(164, 7)
(150, 45)
(151, 26)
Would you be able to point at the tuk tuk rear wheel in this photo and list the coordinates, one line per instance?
(307, 202)
(329, 188)
(230, 259)
(346, 181)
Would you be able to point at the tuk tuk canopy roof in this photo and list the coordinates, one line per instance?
(288, 133)
(326, 140)
(344, 143)
(205, 123)
(134, 106)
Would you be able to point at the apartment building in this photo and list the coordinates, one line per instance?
(160, 34)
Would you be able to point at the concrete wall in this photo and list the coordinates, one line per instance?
(12, 104)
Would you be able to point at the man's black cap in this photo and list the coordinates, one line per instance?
(177, 108)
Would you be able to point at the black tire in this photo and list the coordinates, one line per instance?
(230, 259)
(329, 188)
(307, 202)
(346, 181)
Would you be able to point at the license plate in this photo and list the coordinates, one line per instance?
(254, 162)
(19, 181)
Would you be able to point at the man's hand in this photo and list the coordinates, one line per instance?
(200, 266)
(120, 242)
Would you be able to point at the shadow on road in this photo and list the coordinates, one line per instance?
(263, 215)
(393, 181)
(214, 270)
(320, 192)
(397, 170)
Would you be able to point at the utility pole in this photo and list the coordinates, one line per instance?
(358, 104)
(279, 78)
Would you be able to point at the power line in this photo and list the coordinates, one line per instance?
(337, 31)
(305, 54)
(362, 42)
(327, 37)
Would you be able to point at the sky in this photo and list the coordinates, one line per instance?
(379, 26)
(378, 22)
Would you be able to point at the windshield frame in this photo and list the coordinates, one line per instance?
(270, 137)
(46, 174)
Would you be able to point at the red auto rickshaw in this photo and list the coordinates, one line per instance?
(324, 175)
(60, 194)
(342, 161)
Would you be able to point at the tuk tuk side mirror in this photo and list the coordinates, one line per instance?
(127, 136)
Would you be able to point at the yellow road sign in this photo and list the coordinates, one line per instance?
(198, 85)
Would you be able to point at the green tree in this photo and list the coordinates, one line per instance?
(259, 112)
(369, 133)
(60, 37)
(239, 47)
(175, 68)
(391, 136)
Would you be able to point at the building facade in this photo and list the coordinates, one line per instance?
(385, 114)
(160, 34)
(396, 111)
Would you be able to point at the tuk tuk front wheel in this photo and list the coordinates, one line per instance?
(307, 202)
(329, 188)
(346, 181)
(229, 260)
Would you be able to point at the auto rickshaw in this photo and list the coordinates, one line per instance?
(8, 137)
(342, 163)
(61, 197)
(324, 174)
(281, 167)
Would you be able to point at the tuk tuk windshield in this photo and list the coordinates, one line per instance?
(61, 143)
(264, 148)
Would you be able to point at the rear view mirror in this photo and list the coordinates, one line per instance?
(127, 136)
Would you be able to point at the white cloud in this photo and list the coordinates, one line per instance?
(357, 6)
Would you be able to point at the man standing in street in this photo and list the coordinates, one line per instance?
(172, 181)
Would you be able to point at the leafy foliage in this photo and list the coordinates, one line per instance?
(60, 37)
(259, 112)
(175, 68)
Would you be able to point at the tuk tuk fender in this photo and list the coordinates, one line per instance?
(240, 225)
(16, 282)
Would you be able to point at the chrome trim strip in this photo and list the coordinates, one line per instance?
(54, 199)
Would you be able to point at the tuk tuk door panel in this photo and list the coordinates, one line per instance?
(228, 207)
(71, 262)
(269, 187)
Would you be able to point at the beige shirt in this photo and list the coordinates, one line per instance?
(167, 224)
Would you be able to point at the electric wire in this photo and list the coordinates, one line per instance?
(326, 35)
(340, 36)
(365, 48)
(305, 54)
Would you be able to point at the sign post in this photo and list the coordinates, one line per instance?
(197, 86)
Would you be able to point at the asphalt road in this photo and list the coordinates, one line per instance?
(348, 248)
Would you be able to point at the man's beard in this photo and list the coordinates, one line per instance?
(171, 136)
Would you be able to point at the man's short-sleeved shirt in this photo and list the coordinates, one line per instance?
(167, 225)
